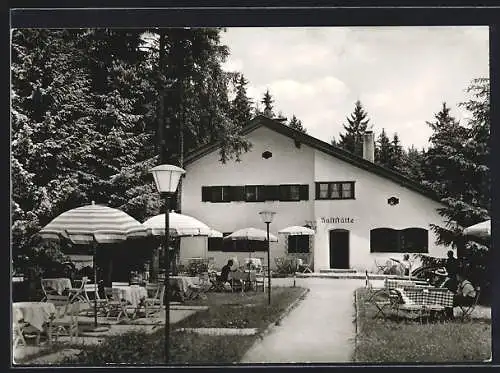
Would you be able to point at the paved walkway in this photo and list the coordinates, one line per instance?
(320, 330)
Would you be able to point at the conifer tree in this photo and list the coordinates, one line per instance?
(352, 139)
(296, 124)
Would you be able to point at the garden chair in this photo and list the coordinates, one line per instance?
(17, 334)
(121, 305)
(46, 289)
(65, 321)
(303, 267)
(260, 282)
(154, 301)
(101, 303)
(466, 311)
(77, 293)
(113, 306)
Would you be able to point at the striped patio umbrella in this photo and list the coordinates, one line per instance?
(93, 224)
(86, 224)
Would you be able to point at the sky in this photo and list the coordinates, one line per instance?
(401, 75)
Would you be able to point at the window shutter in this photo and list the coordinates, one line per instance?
(206, 194)
(304, 192)
(237, 193)
(284, 193)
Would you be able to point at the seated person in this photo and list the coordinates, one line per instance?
(441, 279)
(464, 296)
(224, 273)
(465, 292)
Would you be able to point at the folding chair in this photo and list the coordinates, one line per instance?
(385, 300)
(154, 302)
(112, 305)
(46, 289)
(303, 267)
(17, 334)
(65, 323)
(77, 293)
(101, 303)
(467, 310)
(259, 282)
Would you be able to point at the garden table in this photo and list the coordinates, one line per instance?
(188, 286)
(58, 284)
(133, 294)
(34, 313)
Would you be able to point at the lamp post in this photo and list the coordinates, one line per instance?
(267, 217)
(166, 179)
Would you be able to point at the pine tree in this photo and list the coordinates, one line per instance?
(383, 150)
(396, 153)
(268, 101)
(241, 106)
(456, 168)
(296, 124)
(412, 163)
(352, 139)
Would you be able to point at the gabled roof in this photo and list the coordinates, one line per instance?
(329, 149)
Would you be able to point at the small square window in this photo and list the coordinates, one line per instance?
(295, 192)
(323, 191)
(335, 191)
(346, 190)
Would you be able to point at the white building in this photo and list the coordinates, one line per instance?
(362, 212)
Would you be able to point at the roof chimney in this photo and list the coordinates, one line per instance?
(369, 146)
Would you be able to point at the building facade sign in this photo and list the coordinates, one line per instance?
(337, 220)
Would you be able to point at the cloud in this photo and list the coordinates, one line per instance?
(401, 74)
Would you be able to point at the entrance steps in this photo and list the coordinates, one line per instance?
(337, 270)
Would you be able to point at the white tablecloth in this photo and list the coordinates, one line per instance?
(34, 313)
(132, 294)
(58, 284)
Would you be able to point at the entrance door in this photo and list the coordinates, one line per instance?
(339, 248)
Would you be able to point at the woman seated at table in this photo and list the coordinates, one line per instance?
(465, 294)
(442, 280)
(224, 273)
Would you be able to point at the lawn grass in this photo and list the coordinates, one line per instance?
(407, 341)
(225, 310)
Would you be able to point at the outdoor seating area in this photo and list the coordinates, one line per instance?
(407, 297)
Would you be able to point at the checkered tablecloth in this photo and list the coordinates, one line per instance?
(395, 284)
(427, 297)
(442, 297)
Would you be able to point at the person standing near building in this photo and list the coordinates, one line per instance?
(451, 266)
(406, 264)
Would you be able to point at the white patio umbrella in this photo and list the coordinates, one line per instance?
(93, 224)
(215, 234)
(180, 225)
(250, 234)
(296, 230)
(481, 230)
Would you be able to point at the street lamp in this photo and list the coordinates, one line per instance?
(267, 217)
(166, 179)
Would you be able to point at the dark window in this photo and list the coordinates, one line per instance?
(269, 193)
(255, 193)
(415, 240)
(215, 243)
(384, 240)
(237, 193)
(220, 194)
(243, 245)
(410, 240)
(335, 190)
(298, 244)
(251, 193)
(294, 192)
(206, 194)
